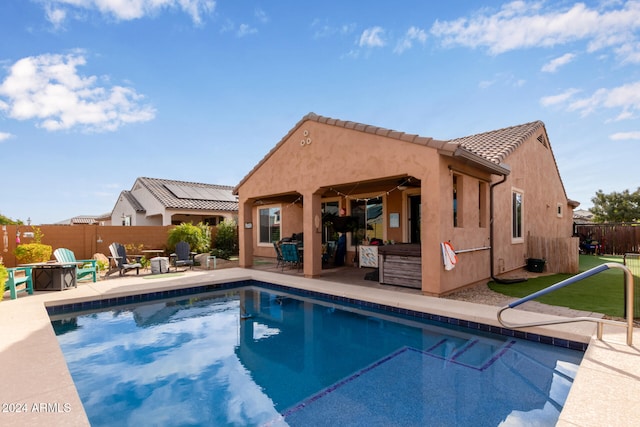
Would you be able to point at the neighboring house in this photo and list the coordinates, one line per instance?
(153, 201)
(104, 219)
(582, 216)
(497, 197)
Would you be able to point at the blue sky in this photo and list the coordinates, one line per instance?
(95, 93)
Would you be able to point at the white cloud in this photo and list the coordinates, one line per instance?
(521, 24)
(48, 89)
(559, 98)
(553, 65)
(126, 10)
(4, 136)
(324, 30)
(56, 16)
(372, 37)
(622, 136)
(503, 79)
(625, 99)
(261, 15)
(245, 30)
(413, 34)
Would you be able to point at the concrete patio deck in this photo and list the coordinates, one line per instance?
(37, 383)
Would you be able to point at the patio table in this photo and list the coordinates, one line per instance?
(53, 276)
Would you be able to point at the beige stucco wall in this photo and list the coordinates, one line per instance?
(535, 174)
(315, 157)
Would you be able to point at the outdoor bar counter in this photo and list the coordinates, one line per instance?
(401, 264)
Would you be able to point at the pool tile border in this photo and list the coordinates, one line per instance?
(172, 293)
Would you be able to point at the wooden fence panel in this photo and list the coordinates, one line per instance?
(560, 254)
(616, 239)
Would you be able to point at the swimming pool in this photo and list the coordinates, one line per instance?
(263, 356)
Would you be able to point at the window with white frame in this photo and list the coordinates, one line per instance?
(516, 214)
(269, 224)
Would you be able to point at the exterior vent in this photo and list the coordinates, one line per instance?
(543, 141)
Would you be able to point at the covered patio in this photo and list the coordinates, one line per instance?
(395, 188)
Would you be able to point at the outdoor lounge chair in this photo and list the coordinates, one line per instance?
(183, 255)
(119, 255)
(87, 269)
(14, 280)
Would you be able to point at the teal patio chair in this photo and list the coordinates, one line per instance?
(85, 268)
(290, 255)
(13, 281)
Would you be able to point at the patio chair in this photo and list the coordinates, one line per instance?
(86, 270)
(119, 255)
(13, 281)
(290, 255)
(183, 255)
(278, 255)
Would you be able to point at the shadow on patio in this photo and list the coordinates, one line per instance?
(345, 274)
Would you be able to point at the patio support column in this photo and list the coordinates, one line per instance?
(430, 235)
(246, 232)
(312, 228)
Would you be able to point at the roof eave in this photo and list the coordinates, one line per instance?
(481, 162)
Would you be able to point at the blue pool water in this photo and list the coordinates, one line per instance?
(252, 356)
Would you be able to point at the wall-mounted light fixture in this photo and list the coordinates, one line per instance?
(248, 225)
(316, 221)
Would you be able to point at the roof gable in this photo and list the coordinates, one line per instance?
(486, 150)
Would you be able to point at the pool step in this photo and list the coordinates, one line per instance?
(474, 352)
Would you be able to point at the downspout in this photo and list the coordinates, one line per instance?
(491, 238)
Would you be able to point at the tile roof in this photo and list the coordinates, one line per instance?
(135, 204)
(489, 148)
(190, 195)
(496, 145)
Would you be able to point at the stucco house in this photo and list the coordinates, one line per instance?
(496, 197)
(153, 201)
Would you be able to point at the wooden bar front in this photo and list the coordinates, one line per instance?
(401, 265)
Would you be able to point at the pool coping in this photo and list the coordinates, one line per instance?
(603, 392)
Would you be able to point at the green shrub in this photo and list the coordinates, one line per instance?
(227, 238)
(221, 253)
(32, 252)
(4, 274)
(197, 236)
(102, 265)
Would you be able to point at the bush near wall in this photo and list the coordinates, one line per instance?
(32, 252)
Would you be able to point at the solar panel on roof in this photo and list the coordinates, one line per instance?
(200, 193)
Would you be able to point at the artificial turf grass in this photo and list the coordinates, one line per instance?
(602, 293)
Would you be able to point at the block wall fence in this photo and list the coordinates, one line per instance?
(85, 240)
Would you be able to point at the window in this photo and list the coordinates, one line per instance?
(368, 212)
(269, 225)
(457, 201)
(559, 210)
(516, 215)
